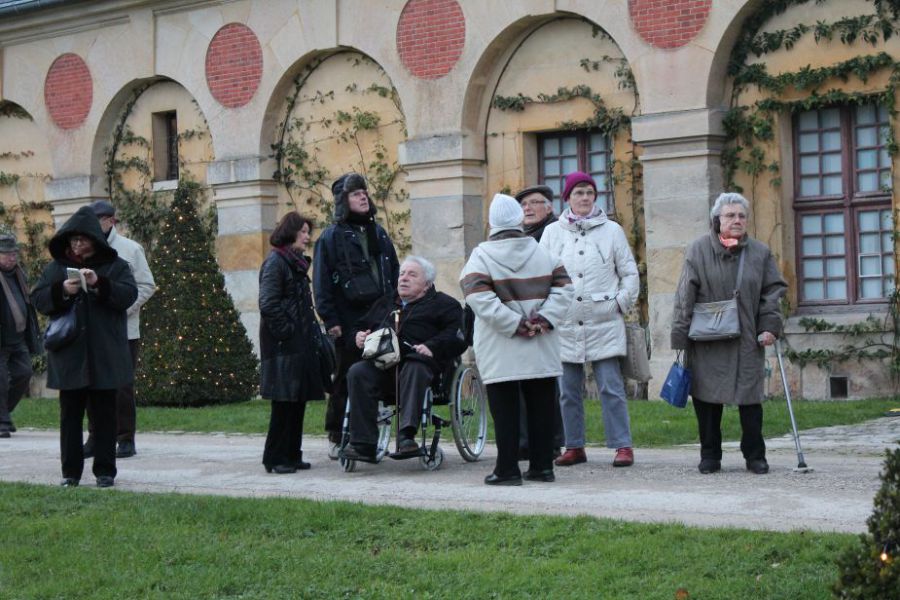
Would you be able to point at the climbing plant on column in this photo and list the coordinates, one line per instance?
(195, 350)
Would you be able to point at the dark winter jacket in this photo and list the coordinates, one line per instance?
(31, 334)
(435, 320)
(99, 359)
(290, 369)
(728, 371)
(537, 230)
(339, 257)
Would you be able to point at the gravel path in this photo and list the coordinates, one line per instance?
(663, 485)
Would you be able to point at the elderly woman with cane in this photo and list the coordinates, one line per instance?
(519, 294)
(722, 265)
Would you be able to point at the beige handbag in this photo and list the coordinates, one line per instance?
(382, 347)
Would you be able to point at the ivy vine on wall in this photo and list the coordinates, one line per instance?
(751, 128)
(307, 177)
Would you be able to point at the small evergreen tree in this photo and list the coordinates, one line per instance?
(194, 349)
(871, 569)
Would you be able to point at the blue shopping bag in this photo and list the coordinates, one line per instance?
(677, 386)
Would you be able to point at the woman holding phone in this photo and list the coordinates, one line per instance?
(88, 274)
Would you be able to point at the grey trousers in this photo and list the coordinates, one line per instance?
(367, 384)
(15, 373)
(616, 423)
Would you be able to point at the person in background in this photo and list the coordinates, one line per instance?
(537, 206)
(133, 254)
(599, 260)
(88, 371)
(289, 365)
(18, 333)
(520, 294)
(729, 371)
(354, 265)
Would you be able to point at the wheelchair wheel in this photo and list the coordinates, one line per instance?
(348, 465)
(468, 414)
(435, 464)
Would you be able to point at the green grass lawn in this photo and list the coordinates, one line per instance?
(88, 543)
(652, 423)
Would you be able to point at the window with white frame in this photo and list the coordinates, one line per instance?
(842, 202)
(561, 153)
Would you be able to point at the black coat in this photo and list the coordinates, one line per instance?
(32, 333)
(99, 359)
(290, 369)
(330, 271)
(435, 320)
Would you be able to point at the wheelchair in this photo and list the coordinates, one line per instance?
(461, 389)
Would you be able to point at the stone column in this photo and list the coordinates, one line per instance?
(446, 196)
(682, 177)
(69, 194)
(247, 209)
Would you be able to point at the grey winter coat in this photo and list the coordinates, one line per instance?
(731, 371)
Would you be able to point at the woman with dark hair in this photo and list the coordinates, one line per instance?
(89, 369)
(290, 373)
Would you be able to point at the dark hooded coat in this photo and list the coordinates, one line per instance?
(339, 256)
(728, 371)
(99, 359)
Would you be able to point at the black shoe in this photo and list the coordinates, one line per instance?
(351, 452)
(709, 465)
(88, 449)
(4, 433)
(758, 466)
(408, 446)
(105, 481)
(125, 450)
(282, 469)
(493, 479)
(546, 475)
(69, 482)
(302, 466)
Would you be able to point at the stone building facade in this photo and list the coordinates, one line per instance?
(444, 102)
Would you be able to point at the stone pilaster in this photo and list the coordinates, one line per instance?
(69, 194)
(446, 192)
(682, 177)
(247, 209)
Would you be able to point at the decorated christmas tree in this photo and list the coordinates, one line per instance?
(194, 348)
(871, 568)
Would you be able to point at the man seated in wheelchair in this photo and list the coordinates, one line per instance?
(429, 327)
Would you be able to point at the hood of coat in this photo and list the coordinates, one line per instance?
(510, 253)
(83, 222)
(589, 223)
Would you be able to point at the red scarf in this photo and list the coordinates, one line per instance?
(729, 242)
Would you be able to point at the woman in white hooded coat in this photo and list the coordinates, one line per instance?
(598, 258)
(519, 294)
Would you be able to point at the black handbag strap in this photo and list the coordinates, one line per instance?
(737, 284)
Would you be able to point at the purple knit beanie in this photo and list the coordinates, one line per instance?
(573, 179)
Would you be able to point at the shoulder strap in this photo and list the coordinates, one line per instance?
(737, 284)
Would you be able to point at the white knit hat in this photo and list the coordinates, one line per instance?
(505, 213)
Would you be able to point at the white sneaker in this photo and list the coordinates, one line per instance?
(333, 451)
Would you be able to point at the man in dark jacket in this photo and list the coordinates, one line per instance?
(354, 265)
(429, 326)
(89, 369)
(18, 333)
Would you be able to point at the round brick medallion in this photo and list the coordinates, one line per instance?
(68, 91)
(234, 65)
(668, 23)
(430, 37)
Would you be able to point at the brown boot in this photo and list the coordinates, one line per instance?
(572, 456)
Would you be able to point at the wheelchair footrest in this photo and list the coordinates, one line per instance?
(405, 455)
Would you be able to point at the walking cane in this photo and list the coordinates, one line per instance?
(801, 464)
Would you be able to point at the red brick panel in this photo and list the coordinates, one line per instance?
(234, 65)
(668, 23)
(430, 37)
(68, 91)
